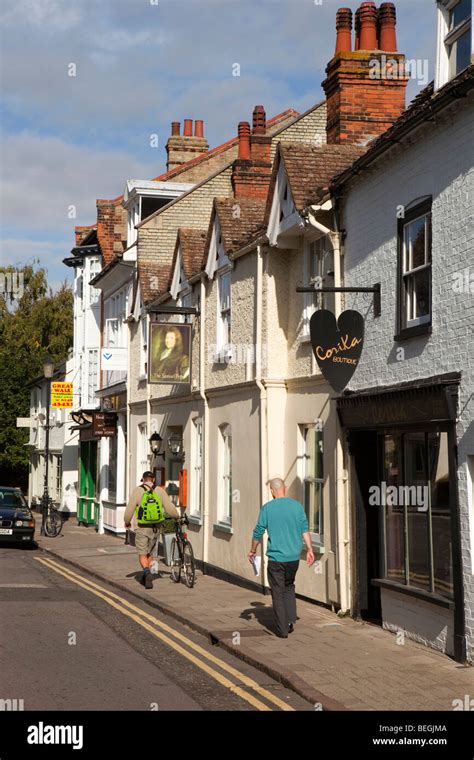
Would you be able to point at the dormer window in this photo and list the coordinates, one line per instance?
(458, 39)
(454, 35)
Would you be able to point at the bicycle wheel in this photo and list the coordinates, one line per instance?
(175, 562)
(53, 524)
(188, 565)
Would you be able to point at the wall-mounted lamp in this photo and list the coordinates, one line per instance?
(155, 442)
(175, 444)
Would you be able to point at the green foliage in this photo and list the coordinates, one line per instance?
(37, 322)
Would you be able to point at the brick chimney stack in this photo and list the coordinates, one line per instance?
(252, 168)
(365, 86)
(182, 148)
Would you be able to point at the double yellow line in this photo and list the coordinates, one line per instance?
(156, 627)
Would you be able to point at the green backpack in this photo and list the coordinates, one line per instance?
(151, 511)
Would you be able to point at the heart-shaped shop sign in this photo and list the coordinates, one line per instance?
(337, 347)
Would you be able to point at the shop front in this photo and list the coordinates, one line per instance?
(407, 569)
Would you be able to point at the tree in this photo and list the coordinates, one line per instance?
(33, 321)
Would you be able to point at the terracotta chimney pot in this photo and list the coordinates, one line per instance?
(368, 26)
(188, 128)
(343, 30)
(244, 141)
(387, 23)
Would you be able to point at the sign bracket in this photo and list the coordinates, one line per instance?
(375, 290)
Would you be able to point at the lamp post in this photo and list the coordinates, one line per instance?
(48, 371)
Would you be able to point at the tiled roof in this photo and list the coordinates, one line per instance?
(310, 169)
(191, 243)
(240, 219)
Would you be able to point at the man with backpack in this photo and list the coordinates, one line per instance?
(150, 505)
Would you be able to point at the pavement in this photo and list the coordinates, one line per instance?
(335, 663)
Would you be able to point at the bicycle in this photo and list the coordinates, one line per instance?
(52, 518)
(182, 555)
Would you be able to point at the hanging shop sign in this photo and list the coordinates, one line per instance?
(104, 424)
(61, 395)
(337, 346)
(169, 358)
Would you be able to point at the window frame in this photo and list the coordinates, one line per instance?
(225, 478)
(317, 537)
(313, 302)
(197, 464)
(224, 315)
(420, 325)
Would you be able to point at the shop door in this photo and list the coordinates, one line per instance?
(88, 508)
(365, 448)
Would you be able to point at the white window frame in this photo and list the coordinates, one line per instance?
(134, 214)
(225, 475)
(142, 450)
(92, 377)
(317, 537)
(447, 39)
(319, 248)
(143, 328)
(197, 458)
(224, 313)
(408, 274)
(95, 267)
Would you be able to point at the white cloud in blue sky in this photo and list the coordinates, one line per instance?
(69, 140)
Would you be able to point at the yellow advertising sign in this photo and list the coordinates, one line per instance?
(61, 395)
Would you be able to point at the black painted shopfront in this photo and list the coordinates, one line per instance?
(402, 441)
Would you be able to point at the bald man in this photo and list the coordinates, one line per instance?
(287, 525)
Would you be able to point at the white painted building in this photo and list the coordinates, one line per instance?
(63, 439)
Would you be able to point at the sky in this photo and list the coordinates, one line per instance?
(138, 65)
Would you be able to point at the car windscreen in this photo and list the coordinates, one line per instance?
(11, 499)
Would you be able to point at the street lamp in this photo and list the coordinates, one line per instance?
(48, 371)
(175, 443)
(155, 442)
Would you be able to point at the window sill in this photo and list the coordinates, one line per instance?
(417, 593)
(223, 528)
(141, 378)
(318, 546)
(414, 332)
(195, 520)
(304, 338)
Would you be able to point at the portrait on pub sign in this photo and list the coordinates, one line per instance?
(169, 359)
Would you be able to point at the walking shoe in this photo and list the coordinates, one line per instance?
(148, 581)
(291, 627)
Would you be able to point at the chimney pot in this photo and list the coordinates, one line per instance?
(357, 29)
(387, 18)
(199, 128)
(368, 26)
(175, 127)
(188, 128)
(244, 141)
(343, 30)
(259, 121)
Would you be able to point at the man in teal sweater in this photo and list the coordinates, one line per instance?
(286, 523)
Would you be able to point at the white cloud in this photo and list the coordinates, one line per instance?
(44, 177)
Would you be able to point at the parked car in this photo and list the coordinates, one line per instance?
(17, 524)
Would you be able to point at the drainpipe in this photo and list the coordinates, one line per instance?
(202, 393)
(263, 399)
(341, 475)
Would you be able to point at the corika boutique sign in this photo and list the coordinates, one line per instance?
(337, 346)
